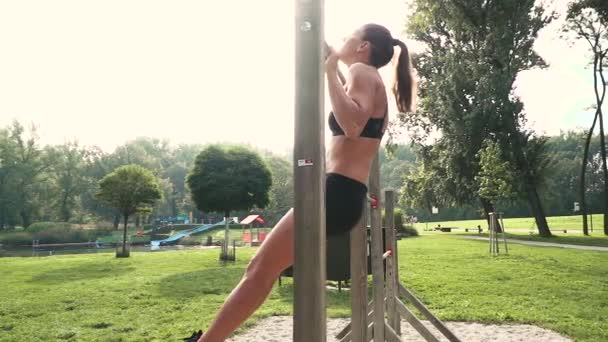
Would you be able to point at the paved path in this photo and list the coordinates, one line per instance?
(545, 244)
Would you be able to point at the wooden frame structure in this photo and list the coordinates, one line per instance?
(368, 319)
(380, 319)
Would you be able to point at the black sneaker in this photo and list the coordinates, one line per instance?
(195, 336)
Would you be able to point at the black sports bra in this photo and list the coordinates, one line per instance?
(373, 128)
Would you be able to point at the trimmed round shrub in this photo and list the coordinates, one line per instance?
(42, 226)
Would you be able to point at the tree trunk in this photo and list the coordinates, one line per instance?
(226, 235)
(173, 205)
(124, 236)
(530, 188)
(137, 220)
(488, 208)
(605, 172)
(598, 69)
(116, 221)
(538, 211)
(583, 186)
(2, 217)
(65, 211)
(25, 218)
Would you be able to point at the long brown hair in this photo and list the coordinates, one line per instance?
(382, 51)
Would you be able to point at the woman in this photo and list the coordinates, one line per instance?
(358, 121)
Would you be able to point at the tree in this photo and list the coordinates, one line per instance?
(7, 175)
(70, 177)
(127, 189)
(474, 52)
(226, 178)
(28, 165)
(395, 164)
(281, 197)
(495, 176)
(588, 20)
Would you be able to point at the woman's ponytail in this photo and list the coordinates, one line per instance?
(404, 88)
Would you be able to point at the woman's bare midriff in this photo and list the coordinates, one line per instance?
(351, 157)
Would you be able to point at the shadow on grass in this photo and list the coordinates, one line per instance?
(210, 281)
(81, 271)
(335, 299)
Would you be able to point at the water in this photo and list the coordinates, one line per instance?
(51, 251)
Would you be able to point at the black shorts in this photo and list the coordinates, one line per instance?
(344, 203)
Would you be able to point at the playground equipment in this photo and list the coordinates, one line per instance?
(174, 239)
(380, 318)
(248, 237)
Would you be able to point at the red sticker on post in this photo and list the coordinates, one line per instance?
(305, 162)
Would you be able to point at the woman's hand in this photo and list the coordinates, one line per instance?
(331, 60)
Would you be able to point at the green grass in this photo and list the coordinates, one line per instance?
(594, 240)
(555, 222)
(164, 296)
(520, 228)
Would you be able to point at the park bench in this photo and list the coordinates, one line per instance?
(445, 229)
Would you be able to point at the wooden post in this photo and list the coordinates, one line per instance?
(391, 280)
(504, 237)
(226, 238)
(358, 276)
(377, 251)
(309, 175)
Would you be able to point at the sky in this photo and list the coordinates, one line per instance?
(105, 72)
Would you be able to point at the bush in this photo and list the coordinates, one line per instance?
(406, 231)
(62, 235)
(403, 230)
(16, 239)
(105, 226)
(42, 226)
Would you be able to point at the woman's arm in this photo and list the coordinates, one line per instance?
(328, 52)
(351, 108)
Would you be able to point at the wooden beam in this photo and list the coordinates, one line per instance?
(390, 334)
(345, 334)
(428, 314)
(415, 322)
(358, 276)
(391, 281)
(377, 251)
(309, 175)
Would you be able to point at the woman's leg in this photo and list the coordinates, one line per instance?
(275, 255)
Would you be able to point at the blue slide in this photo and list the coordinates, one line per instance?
(173, 239)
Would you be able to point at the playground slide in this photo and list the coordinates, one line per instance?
(173, 239)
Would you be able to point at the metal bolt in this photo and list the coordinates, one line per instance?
(306, 26)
